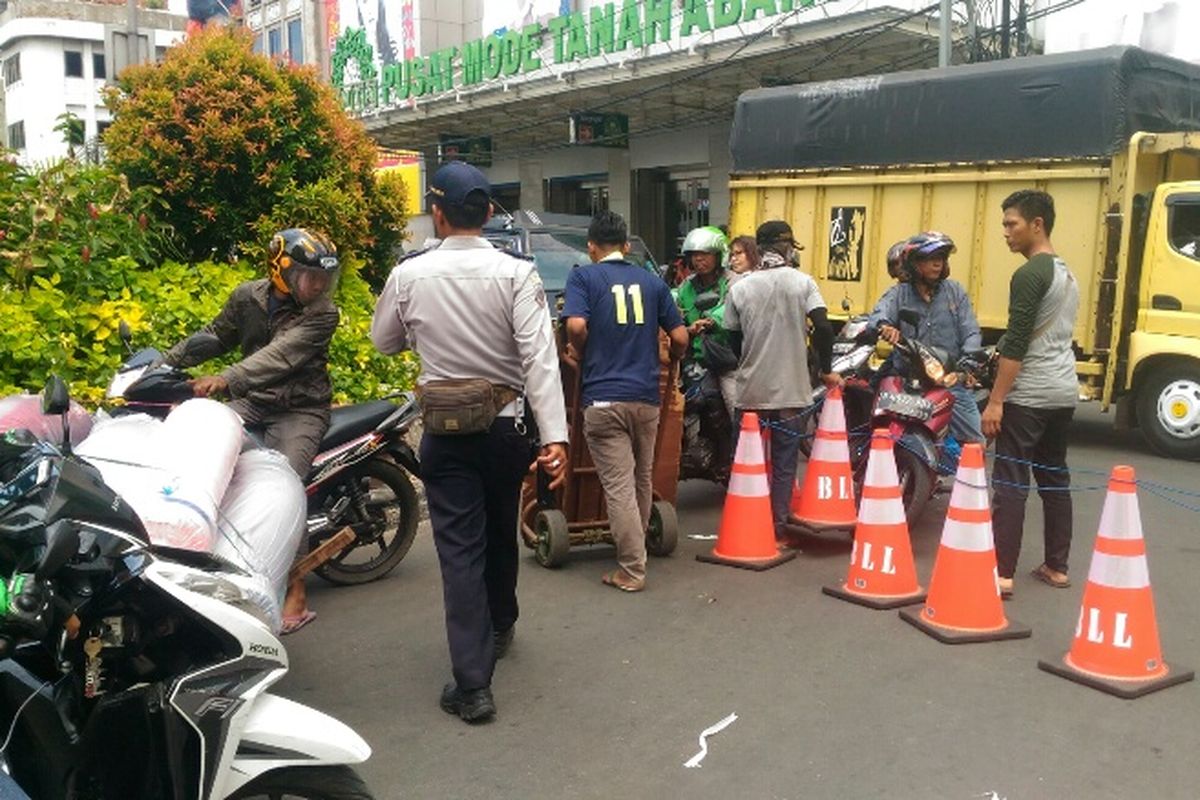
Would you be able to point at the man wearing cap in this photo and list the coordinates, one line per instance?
(772, 307)
(477, 318)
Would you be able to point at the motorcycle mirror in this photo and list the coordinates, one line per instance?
(124, 332)
(56, 399)
(910, 317)
(202, 346)
(62, 542)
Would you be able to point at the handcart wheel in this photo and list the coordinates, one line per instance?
(553, 537)
(662, 535)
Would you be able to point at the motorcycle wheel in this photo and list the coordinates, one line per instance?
(916, 482)
(389, 525)
(337, 782)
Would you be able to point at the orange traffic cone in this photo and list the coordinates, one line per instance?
(882, 573)
(827, 500)
(1116, 647)
(747, 535)
(964, 602)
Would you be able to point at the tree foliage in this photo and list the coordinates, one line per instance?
(241, 145)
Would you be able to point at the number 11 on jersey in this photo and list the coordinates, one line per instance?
(635, 299)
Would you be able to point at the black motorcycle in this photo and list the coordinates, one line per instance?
(359, 478)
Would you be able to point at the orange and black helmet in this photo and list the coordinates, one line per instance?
(296, 251)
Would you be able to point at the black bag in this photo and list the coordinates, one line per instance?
(718, 357)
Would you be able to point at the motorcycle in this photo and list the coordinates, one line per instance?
(914, 409)
(358, 477)
(707, 451)
(134, 671)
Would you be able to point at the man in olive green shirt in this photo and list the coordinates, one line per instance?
(1033, 399)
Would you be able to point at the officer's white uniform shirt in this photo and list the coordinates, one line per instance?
(472, 311)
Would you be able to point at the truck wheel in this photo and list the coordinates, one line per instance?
(1168, 409)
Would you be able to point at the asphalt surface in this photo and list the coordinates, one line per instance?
(604, 694)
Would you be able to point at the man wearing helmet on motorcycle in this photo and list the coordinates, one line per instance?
(701, 298)
(283, 324)
(944, 310)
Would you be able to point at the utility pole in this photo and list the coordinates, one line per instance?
(1005, 24)
(944, 34)
(132, 55)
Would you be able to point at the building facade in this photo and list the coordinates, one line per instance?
(55, 58)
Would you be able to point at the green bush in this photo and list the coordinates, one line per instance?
(73, 221)
(239, 144)
(50, 330)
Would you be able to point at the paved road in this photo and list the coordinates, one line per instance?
(604, 694)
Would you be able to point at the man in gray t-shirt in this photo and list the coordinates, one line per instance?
(771, 308)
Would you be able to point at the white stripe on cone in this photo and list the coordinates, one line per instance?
(749, 450)
(833, 417)
(1119, 572)
(1121, 518)
(745, 484)
(972, 537)
(876, 511)
(881, 469)
(970, 489)
(835, 450)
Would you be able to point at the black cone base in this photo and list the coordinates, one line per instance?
(1127, 690)
(1014, 629)
(758, 565)
(840, 591)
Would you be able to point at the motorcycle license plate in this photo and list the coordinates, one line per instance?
(909, 406)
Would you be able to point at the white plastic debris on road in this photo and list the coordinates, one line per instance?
(695, 760)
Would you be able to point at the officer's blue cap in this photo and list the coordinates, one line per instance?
(452, 183)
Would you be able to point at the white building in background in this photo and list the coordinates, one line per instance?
(55, 58)
(1169, 27)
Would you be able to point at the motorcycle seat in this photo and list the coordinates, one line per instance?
(350, 422)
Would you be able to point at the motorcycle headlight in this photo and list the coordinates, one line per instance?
(208, 584)
(949, 379)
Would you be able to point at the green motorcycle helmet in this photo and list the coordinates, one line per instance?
(709, 239)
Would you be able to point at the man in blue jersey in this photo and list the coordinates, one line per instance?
(614, 310)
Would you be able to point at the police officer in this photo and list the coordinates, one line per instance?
(471, 311)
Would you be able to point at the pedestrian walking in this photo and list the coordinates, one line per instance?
(614, 310)
(772, 308)
(490, 388)
(1034, 395)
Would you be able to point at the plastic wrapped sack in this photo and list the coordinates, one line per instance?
(172, 473)
(261, 520)
(25, 411)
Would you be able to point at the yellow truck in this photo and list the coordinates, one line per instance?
(1113, 135)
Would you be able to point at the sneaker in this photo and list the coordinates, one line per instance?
(471, 705)
(501, 640)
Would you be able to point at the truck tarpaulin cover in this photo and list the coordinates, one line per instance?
(1060, 106)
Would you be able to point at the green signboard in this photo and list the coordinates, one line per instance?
(609, 29)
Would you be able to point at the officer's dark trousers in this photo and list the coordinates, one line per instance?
(472, 487)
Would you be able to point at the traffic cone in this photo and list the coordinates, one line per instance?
(1116, 647)
(882, 573)
(826, 502)
(747, 535)
(964, 602)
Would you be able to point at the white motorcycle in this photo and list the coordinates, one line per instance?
(129, 670)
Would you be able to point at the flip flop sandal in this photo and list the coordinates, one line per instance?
(1044, 575)
(293, 624)
(617, 580)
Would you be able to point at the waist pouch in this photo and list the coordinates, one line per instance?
(462, 406)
